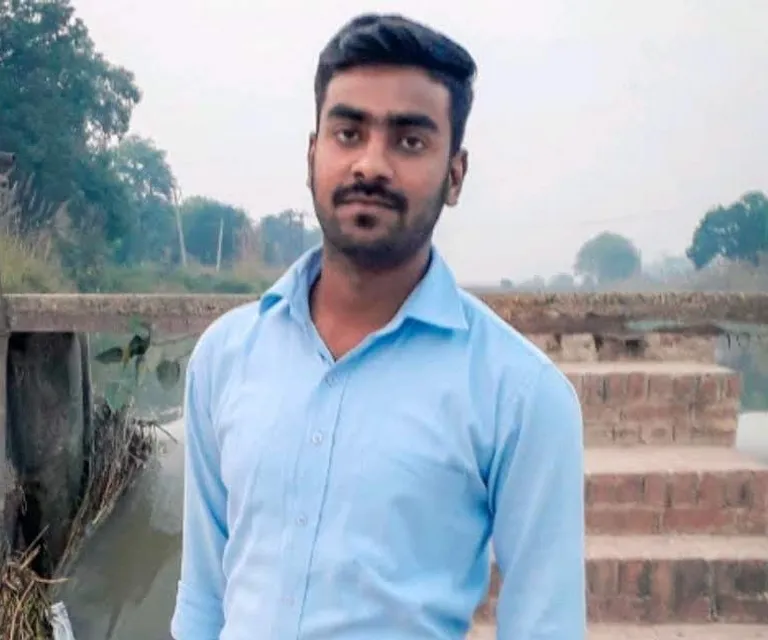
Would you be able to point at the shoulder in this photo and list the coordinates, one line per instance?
(499, 343)
(223, 338)
(521, 371)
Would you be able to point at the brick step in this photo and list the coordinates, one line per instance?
(662, 579)
(662, 632)
(656, 403)
(675, 632)
(677, 578)
(690, 490)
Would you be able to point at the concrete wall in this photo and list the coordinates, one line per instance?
(48, 433)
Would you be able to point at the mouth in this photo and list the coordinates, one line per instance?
(369, 202)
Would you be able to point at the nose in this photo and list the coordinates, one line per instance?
(373, 162)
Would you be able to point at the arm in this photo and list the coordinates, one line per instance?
(199, 614)
(538, 506)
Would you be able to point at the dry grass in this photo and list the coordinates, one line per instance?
(122, 448)
(27, 261)
(24, 602)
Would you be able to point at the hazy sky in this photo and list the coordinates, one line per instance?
(634, 116)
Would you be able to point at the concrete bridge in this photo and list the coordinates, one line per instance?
(657, 410)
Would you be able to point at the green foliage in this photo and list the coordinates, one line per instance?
(201, 220)
(141, 355)
(737, 232)
(157, 278)
(285, 237)
(62, 104)
(147, 177)
(606, 258)
(23, 270)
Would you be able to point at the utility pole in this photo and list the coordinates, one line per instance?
(179, 228)
(221, 238)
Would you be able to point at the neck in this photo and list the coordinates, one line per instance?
(363, 297)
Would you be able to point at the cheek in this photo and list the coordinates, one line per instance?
(327, 173)
(425, 185)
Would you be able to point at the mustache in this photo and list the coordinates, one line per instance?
(391, 199)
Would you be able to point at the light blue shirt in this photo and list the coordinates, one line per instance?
(355, 500)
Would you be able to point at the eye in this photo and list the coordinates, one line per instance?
(411, 143)
(347, 135)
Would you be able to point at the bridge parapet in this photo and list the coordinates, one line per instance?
(557, 314)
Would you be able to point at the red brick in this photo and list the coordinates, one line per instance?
(716, 418)
(684, 387)
(637, 387)
(641, 490)
(657, 433)
(664, 579)
(682, 489)
(699, 520)
(661, 388)
(593, 388)
(709, 389)
(711, 491)
(670, 580)
(732, 387)
(627, 433)
(655, 490)
(627, 520)
(616, 388)
(634, 403)
(486, 630)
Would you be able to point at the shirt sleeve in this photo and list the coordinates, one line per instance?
(538, 507)
(199, 612)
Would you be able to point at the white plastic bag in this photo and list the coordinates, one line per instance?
(62, 627)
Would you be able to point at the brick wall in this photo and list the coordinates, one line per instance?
(652, 346)
(655, 405)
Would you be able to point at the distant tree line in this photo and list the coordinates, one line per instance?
(736, 234)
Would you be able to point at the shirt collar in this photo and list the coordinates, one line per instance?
(435, 301)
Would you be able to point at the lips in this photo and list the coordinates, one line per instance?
(369, 202)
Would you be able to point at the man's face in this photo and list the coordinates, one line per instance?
(380, 164)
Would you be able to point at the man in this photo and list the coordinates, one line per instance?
(356, 437)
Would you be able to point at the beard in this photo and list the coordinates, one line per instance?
(412, 232)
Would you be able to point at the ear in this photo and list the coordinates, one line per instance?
(311, 157)
(457, 171)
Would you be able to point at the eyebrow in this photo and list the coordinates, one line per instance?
(393, 120)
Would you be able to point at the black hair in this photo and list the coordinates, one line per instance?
(391, 39)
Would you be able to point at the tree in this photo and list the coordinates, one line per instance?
(606, 258)
(144, 171)
(62, 104)
(561, 283)
(285, 237)
(202, 218)
(736, 232)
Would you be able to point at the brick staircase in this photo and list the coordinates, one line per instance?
(676, 517)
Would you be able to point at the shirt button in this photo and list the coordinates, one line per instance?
(330, 380)
(317, 438)
(301, 521)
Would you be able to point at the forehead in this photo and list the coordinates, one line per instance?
(382, 90)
